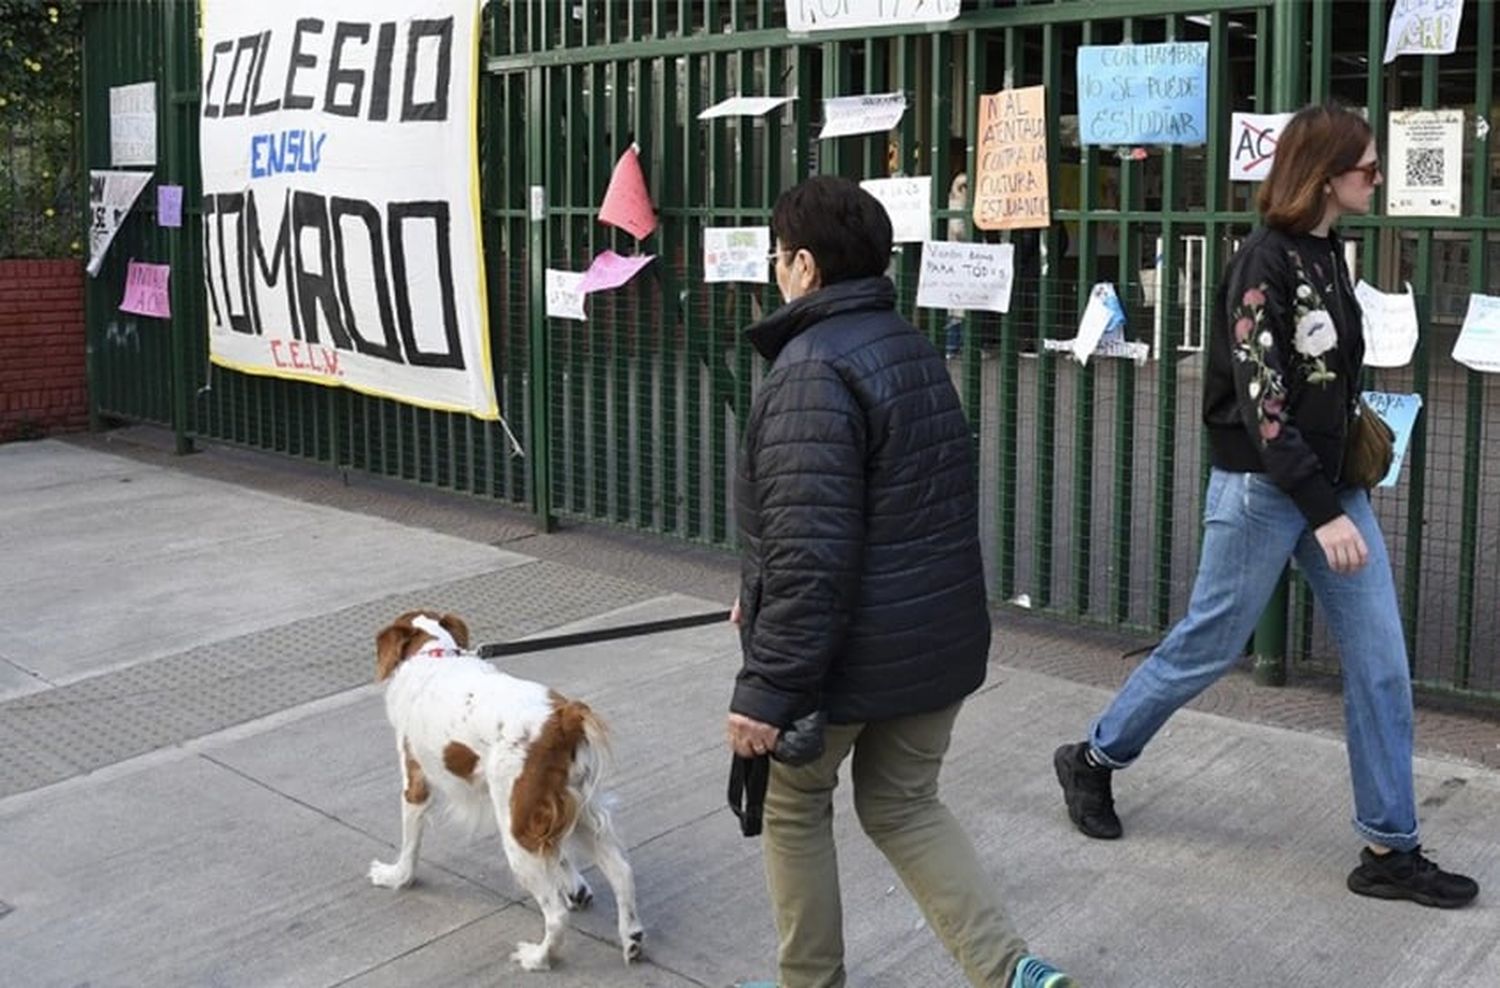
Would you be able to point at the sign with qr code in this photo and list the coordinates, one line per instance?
(1425, 177)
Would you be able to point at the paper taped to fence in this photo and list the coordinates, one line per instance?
(908, 202)
(1252, 144)
(966, 276)
(341, 197)
(1425, 174)
(132, 124)
(875, 113)
(1390, 325)
(1478, 343)
(111, 194)
(1423, 27)
(737, 253)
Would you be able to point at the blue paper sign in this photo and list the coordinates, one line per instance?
(1143, 94)
(1400, 413)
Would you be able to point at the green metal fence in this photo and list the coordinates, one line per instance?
(1091, 477)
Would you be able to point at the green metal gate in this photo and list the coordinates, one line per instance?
(1091, 477)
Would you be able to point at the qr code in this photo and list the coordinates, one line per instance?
(1424, 167)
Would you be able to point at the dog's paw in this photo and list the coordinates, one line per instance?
(633, 945)
(388, 875)
(532, 956)
(580, 898)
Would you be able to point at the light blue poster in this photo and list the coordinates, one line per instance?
(1400, 413)
(1143, 94)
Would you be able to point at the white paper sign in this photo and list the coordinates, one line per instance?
(1423, 27)
(1478, 343)
(737, 253)
(837, 15)
(1103, 314)
(966, 276)
(111, 194)
(564, 300)
(132, 124)
(875, 114)
(1252, 144)
(1390, 323)
(908, 202)
(1425, 177)
(744, 106)
(340, 201)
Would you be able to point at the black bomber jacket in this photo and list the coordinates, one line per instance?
(1284, 359)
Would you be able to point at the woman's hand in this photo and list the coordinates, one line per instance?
(1342, 544)
(750, 738)
(734, 613)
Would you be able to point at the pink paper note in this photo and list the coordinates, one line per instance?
(169, 205)
(146, 290)
(627, 204)
(610, 270)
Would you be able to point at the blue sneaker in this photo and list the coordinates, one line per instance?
(1033, 972)
(754, 984)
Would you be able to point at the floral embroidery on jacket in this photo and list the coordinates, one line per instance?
(1252, 341)
(1314, 332)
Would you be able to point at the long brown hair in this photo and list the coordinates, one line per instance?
(1318, 143)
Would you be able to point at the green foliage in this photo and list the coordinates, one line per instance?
(42, 185)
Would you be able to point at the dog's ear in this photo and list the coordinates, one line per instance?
(390, 647)
(455, 626)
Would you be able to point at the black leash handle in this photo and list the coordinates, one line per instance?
(601, 634)
(748, 778)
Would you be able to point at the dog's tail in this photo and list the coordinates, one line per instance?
(563, 769)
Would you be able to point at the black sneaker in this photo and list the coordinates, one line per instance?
(1410, 875)
(1086, 788)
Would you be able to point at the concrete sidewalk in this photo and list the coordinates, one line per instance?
(197, 773)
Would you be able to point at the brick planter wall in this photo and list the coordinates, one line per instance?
(43, 388)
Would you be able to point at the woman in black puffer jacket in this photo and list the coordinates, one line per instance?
(862, 594)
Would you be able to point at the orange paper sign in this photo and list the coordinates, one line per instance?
(1011, 188)
(627, 204)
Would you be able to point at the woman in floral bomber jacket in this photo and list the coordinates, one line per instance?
(1281, 385)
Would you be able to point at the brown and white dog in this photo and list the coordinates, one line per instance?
(501, 748)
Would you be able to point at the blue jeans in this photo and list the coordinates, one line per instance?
(954, 332)
(1250, 529)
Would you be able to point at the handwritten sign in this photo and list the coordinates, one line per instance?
(169, 205)
(132, 124)
(146, 290)
(737, 253)
(341, 147)
(1400, 413)
(1478, 343)
(744, 106)
(610, 270)
(908, 202)
(966, 276)
(1390, 324)
(836, 15)
(627, 203)
(111, 194)
(1252, 144)
(1143, 94)
(1423, 27)
(1010, 188)
(874, 114)
(564, 299)
(1427, 160)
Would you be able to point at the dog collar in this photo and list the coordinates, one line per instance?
(443, 647)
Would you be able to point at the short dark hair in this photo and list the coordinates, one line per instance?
(1320, 142)
(846, 229)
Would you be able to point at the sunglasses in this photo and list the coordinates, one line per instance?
(1372, 170)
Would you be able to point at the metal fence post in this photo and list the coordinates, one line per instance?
(539, 440)
(1288, 26)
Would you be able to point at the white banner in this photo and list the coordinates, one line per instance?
(1390, 323)
(908, 202)
(111, 195)
(837, 15)
(873, 114)
(1252, 144)
(341, 197)
(966, 276)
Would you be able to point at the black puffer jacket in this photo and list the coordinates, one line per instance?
(862, 586)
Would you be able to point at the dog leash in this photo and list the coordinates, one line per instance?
(601, 634)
